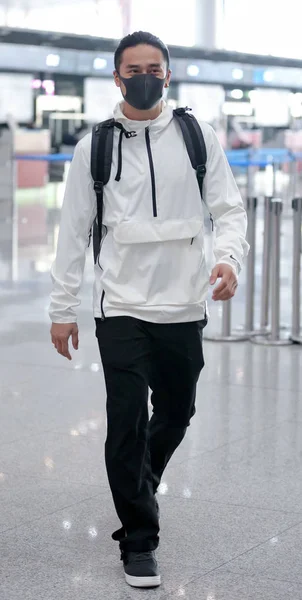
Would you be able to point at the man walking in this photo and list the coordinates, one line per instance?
(151, 284)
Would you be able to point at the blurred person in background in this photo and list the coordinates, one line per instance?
(151, 284)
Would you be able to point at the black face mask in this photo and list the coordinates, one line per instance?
(143, 92)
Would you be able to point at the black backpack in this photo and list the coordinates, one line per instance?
(101, 159)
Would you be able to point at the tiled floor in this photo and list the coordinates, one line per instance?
(231, 498)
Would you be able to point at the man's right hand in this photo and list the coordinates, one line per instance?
(60, 334)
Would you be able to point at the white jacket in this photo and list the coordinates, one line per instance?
(152, 261)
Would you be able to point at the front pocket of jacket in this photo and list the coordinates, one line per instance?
(140, 232)
(154, 273)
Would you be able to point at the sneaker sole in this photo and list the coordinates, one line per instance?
(143, 582)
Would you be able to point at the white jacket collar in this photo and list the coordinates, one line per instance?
(156, 125)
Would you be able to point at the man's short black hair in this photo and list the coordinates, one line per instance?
(134, 39)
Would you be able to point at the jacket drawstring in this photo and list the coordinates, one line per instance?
(128, 134)
(120, 157)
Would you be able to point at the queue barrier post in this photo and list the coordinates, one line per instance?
(296, 334)
(274, 338)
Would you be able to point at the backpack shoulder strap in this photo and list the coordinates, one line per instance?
(101, 159)
(194, 140)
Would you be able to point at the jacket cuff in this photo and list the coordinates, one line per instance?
(232, 262)
(62, 319)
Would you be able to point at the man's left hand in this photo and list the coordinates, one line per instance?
(228, 285)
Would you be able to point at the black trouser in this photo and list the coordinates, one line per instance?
(168, 359)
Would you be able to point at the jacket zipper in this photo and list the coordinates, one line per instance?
(151, 164)
(102, 305)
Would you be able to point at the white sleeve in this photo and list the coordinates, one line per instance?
(224, 202)
(78, 213)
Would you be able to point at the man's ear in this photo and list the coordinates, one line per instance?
(117, 80)
(168, 79)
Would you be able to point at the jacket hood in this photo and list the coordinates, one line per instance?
(156, 125)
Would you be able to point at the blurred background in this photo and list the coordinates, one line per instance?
(236, 63)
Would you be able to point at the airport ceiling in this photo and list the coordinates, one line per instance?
(35, 3)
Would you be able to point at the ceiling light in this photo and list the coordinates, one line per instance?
(53, 60)
(268, 76)
(237, 74)
(193, 70)
(99, 64)
(237, 94)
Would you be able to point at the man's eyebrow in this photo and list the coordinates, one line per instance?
(138, 66)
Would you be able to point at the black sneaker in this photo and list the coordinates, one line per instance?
(141, 569)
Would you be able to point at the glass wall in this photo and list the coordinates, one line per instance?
(104, 18)
(173, 23)
(263, 27)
